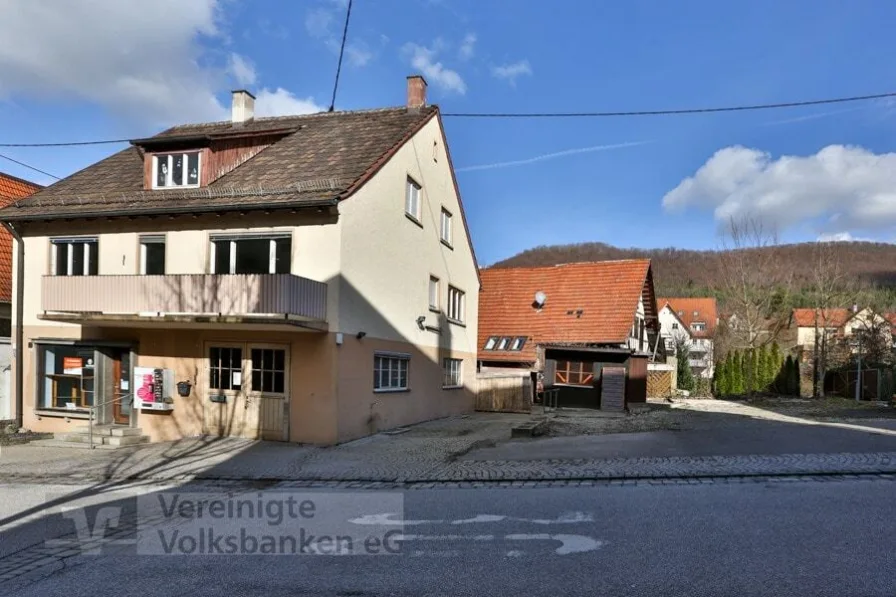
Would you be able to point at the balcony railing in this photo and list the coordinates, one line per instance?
(189, 294)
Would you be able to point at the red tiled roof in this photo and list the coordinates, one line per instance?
(606, 292)
(805, 318)
(11, 188)
(691, 310)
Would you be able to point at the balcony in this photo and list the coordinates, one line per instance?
(206, 297)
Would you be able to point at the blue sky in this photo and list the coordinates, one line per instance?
(125, 69)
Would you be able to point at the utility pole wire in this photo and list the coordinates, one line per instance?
(745, 108)
(838, 100)
(6, 157)
(348, 14)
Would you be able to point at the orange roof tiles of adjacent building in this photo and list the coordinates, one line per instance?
(11, 188)
(585, 303)
(805, 318)
(693, 310)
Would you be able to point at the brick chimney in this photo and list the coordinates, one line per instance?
(243, 107)
(416, 92)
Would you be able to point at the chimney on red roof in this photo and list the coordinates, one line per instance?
(416, 92)
(243, 107)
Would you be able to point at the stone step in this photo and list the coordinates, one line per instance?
(532, 428)
(56, 443)
(125, 440)
(111, 430)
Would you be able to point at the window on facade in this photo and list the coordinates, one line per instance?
(176, 170)
(390, 372)
(451, 373)
(74, 257)
(67, 375)
(225, 368)
(491, 343)
(698, 326)
(674, 326)
(251, 255)
(433, 293)
(412, 199)
(455, 304)
(574, 373)
(518, 343)
(446, 231)
(152, 255)
(268, 370)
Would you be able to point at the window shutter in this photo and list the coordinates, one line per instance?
(550, 372)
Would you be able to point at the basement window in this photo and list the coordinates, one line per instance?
(172, 170)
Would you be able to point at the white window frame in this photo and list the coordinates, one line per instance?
(87, 241)
(233, 239)
(435, 294)
(446, 227)
(456, 304)
(152, 239)
(452, 373)
(412, 203)
(698, 326)
(378, 386)
(169, 182)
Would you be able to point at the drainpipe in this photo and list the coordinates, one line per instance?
(19, 302)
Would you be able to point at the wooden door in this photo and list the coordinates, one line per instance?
(120, 412)
(269, 388)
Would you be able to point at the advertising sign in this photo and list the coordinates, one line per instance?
(72, 365)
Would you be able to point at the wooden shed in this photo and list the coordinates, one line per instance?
(586, 377)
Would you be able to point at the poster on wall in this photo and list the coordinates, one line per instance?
(72, 365)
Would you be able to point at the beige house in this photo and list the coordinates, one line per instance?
(299, 278)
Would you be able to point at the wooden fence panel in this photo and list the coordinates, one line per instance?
(659, 384)
(506, 394)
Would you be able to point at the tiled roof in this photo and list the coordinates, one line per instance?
(11, 188)
(805, 318)
(321, 158)
(691, 310)
(605, 292)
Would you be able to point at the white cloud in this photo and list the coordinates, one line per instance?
(318, 22)
(139, 62)
(836, 237)
(467, 47)
(510, 72)
(845, 187)
(242, 70)
(424, 60)
(280, 102)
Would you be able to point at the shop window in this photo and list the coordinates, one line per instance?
(67, 376)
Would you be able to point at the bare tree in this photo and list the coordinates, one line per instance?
(755, 287)
(831, 287)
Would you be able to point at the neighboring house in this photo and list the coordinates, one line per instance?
(693, 321)
(838, 324)
(567, 322)
(11, 189)
(302, 278)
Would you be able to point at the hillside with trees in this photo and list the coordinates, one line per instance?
(682, 272)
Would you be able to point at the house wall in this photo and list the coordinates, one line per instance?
(386, 262)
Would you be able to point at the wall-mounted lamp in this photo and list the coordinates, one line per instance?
(338, 338)
(420, 321)
(360, 335)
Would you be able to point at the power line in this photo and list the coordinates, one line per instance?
(348, 13)
(6, 157)
(839, 100)
(65, 144)
(744, 108)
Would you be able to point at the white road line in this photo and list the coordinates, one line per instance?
(569, 543)
(392, 518)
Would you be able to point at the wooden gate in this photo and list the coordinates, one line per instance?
(506, 393)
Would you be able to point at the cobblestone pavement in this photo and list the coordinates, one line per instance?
(429, 452)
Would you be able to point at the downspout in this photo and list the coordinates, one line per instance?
(19, 302)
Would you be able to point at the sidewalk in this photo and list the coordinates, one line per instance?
(469, 448)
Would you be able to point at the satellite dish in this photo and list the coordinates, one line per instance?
(540, 298)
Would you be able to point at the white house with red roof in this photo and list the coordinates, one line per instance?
(694, 322)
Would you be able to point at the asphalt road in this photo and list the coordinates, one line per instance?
(774, 538)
